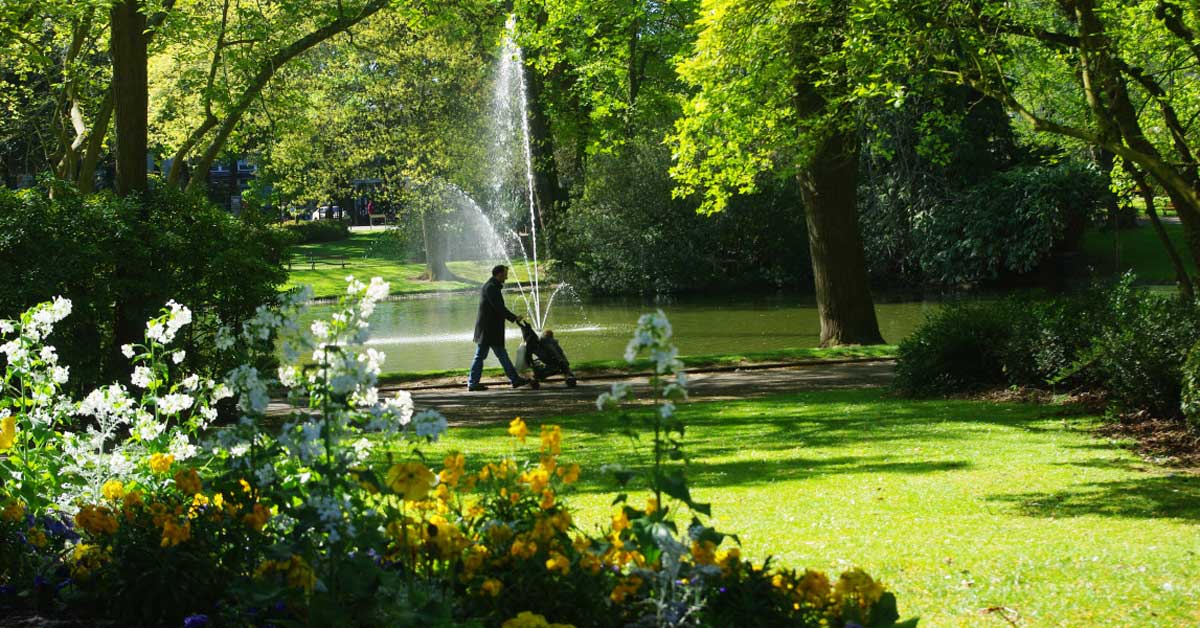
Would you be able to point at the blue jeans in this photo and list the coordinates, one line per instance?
(481, 354)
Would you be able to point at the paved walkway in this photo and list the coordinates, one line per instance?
(502, 403)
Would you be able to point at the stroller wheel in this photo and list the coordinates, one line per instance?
(534, 384)
(570, 382)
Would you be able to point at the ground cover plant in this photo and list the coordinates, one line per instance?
(376, 254)
(975, 513)
(135, 506)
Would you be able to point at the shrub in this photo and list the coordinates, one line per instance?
(1190, 403)
(119, 259)
(1137, 356)
(963, 347)
(1129, 343)
(317, 231)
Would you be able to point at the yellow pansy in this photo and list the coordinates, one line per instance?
(518, 429)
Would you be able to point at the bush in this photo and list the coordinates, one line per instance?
(1126, 342)
(963, 347)
(119, 260)
(1137, 356)
(1190, 403)
(317, 231)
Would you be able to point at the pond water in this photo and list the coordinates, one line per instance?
(434, 332)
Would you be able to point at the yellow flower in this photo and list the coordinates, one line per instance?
(551, 439)
(161, 463)
(8, 432)
(524, 549)
(96, 520)
(537, 479)
(257, 518)
(36, 537)
(113, 489)
(620, 521)
(300, 575)
(13, 511)
(547, 499)
(569, 474)
(453, 468)
(651, 505)
(245, 486)
(625, 588)
(188, 482)
(703, 552)
(174, 533)
(527, 619)
(814, 587)
(856, 584)
(558, 562)
(492, 587)
(518, 430)
(410, 480)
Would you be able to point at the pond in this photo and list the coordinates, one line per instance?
(434, 332)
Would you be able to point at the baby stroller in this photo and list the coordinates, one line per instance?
(543, 355)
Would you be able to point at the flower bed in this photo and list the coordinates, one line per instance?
(139, 505)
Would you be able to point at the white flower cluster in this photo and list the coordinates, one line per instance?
(653, 336)
(163, 330)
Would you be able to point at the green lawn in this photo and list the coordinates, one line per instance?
(376, 255)
(692, 362)
(958, 506)
(1137, 249)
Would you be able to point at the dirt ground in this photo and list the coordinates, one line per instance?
(501, 403)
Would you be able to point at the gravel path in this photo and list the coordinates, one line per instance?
(502, 403)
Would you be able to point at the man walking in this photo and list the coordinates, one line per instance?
(489, 331)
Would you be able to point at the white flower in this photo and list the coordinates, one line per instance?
(6, 327)
(127, 351)
(156, 331)
(61, 374)
(289, 376)
(178, 356)
(173, 403)
(265, 475)
(225, 339)
(48, 355)
(221, 392)
(430, 424)
(666, 410)
(320, 330)
(191, 382)
(142, 377)
(181, 447)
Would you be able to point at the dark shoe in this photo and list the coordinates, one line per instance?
(477, 387)
(519, 383)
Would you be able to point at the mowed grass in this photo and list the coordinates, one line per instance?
(970, 511)
(1138, 250)
(376, 254)
(717, 360)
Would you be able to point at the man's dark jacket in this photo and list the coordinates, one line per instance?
(489, 325)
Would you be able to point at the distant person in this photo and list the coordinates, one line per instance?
(489, 331)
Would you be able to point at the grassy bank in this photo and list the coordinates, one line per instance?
(975, 514)
(375, 254)
(692, 362)
(1138, 250)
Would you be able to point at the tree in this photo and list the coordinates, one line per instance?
(1122, 71)
(776, 87)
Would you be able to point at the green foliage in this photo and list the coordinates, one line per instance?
(317, 231)
(1126, 342)
(101, 252)
(960, 348)
(1190, 403)
(1137, 355)
(627, 234)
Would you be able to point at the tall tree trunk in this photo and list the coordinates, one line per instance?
(130, 94)
(435, 247)
(829, 187)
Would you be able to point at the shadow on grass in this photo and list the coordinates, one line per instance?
(1158, 497)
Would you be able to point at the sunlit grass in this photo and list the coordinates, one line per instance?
(375, 254)
(959, 506)
(1138, 250)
